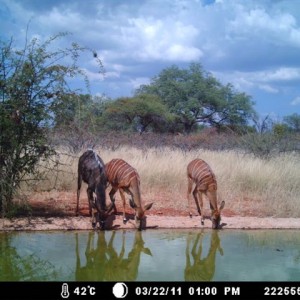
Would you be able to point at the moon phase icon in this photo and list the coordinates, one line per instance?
(120, 290)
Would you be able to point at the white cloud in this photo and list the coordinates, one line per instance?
(93, 76)
(137, 82)
(275, 27)
(296, 101)
(268, 88)
(178, 52)
(269, 81)
(150, 39)
(65, 19)
(280, 74)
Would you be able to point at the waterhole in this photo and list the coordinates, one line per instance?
(151, 255)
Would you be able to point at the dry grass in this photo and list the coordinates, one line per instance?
(249, 185)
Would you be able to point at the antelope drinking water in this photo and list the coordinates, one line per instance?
(91, 170)
(199, 173)
(125, 178)
(200, 267)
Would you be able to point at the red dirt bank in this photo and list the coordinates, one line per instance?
(59, 214)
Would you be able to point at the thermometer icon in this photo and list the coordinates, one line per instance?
(65, 292)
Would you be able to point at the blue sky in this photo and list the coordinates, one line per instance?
(255, 45)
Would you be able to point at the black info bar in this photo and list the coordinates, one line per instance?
(147, 290)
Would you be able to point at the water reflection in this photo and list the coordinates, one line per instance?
(175, 255)
(104, 263)
(199, 268)
(14, 267)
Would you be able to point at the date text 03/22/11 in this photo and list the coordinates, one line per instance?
(188, 291)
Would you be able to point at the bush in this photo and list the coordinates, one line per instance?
(31, 81)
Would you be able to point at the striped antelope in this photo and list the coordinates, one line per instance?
(125, 178)
(104, 261)
(200, 267)
(200, 174)
(91, 170)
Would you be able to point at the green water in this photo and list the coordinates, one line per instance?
(151, 255)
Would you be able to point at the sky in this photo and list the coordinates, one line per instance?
(252, 44)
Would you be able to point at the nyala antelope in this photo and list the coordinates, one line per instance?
(198, 267)
(200, 174)
(125, 178)
(91, 170)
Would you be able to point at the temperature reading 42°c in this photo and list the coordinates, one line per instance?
(85, 290)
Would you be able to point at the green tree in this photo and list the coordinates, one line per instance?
(196, 97)
(280, 129)
(31, 80)
(293, 122)
(72, 111)
(140, 113)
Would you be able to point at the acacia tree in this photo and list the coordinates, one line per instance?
(140, 113)
(196, 97)
(31, 80)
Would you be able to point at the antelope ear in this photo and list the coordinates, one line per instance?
(132, 204)
(148, 206)
(222, 205)
(147, 251)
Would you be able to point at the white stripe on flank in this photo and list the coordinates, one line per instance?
(120, 167)
(114, 170)
(130, 172)
(111, 165)
(201, 170)
(192, 171)
(119, 170)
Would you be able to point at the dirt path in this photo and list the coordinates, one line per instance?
(153, 222)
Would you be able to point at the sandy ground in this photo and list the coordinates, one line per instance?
(152, 222)
(57, 212)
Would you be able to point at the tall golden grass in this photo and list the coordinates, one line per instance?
(249, 185)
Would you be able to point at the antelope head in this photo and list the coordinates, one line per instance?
(139, 213)
(100, 213)
(216, 216)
